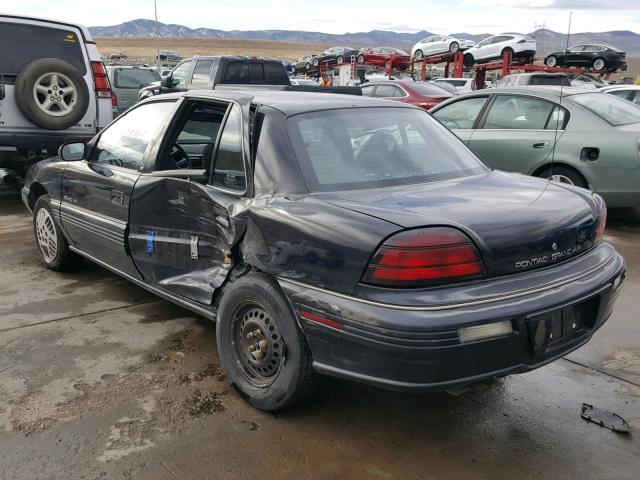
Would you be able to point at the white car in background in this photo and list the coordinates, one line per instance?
(626, 92)
(462, 85)
(437, 44)
(491, 48)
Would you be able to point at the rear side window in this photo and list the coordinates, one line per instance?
(22, 44)
(387, 91)
(228, 166)
(516, 112)
(134, 77)
(260, 73)
(202, 73)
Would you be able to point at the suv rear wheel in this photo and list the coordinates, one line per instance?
(52, 94)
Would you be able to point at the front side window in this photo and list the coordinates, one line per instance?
(577, 48)
(376, 147)
(228, 164)
(180, 74)
(611, 109)
(202, 73)
(518, 112)
(461, 114)
(126, 141)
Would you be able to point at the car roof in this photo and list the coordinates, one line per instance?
(291, 103)
(84, 30)
(547, 91)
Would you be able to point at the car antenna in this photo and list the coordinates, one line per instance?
(555, 137)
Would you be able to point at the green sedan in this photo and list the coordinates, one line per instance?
(584, 138)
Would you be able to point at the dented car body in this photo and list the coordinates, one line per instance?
(399, 257)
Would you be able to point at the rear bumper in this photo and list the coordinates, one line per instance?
(413, 349)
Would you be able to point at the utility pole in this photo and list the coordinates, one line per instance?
(155, 10)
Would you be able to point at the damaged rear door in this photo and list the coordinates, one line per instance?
(189, 211)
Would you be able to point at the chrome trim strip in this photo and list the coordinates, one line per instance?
(93, 229)
(435, 308)
(209, 312)
(89, 213)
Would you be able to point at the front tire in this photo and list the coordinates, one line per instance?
(262, 349)
(505, 50)
(418, 55)
(52, 243)
(468, 60)
(339, 60)
(360, 58)
(454, 47)
(551, 61)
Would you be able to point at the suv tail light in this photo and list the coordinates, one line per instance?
(114, 99)
(103, 87)
(424, 257)
(602, 221)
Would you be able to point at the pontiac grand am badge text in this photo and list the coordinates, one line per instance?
(554, 257)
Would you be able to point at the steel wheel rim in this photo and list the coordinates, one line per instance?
(561, 179)
(46, 235)
(551, 62)
(55, 94)
(259, 348)
(598, 64)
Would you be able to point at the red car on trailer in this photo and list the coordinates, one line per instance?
(423, 94)
(385, 56)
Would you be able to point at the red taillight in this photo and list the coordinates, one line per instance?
(114, 99)
(424, 257)
(602, 221)
(428, 105)
(103, 87)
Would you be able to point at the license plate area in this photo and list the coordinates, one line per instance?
(553, 329)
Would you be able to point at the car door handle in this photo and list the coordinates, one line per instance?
(540, 144)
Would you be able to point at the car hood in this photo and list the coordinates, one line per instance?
(515, 220)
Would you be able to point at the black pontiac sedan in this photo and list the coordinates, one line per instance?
(331, 234)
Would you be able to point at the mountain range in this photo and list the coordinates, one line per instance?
(547, 40)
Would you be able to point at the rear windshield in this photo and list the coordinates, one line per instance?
(377, 147)
(454, 82)
(611, 109)
(429, 89)
(255, 72)
(549, 80)
(22, 44)
(134, 77)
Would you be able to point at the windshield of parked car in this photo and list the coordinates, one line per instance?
(135, 77)
(611, 109)
(429, 89)
(361, 148)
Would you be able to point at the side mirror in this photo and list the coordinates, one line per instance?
(72, 152)
(167, 81)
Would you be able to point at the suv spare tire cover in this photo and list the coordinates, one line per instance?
(33, 103)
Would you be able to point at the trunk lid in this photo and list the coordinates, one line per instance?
(517, 222)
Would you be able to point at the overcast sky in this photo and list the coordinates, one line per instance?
(340, 16)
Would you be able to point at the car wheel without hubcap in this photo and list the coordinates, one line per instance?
(46, 235)
(316, 62)
(55, 94)
(257, 344)
(598, 64)
(340, 60)
(551, 61)
(418, 55)
(360, 58)
(454, 47)
(562, 174)
(561, 179)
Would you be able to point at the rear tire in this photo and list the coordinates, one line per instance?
(505, 50)
(360, 58)
(564, 175)
(52, 243)
(599, 64)
(340, 60)
(273, 375)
